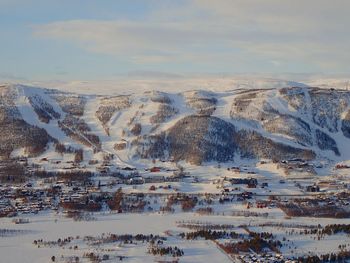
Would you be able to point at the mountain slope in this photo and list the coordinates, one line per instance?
(199, 139)
(195, 126)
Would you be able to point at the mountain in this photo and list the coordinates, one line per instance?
(54, 128)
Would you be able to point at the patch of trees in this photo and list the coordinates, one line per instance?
(327, 107)
(342, 256)
(160, 97)
(79, 215)
(162, 251)
(43, 109)
(120, 146)
(202, 226)
(111, 105)
(86, 206)
(335, 229)
(345, 125)
(136, 129)
(210, 234)
(78, 130)
(79, 156)
(93, 162)
(125, 238)
(59, 242)
(137, 206)
(78, 176)
(256, 244)
(164, 112)
(153, 146)
(204, 210)
(325, 142)
(204, 106)
(166, 209)
(264, 235)
(11, 172)
(318, 210)
(61, 148)
(16, 133)
(259, 146)
(95, 258)
(116, 202)
(73, 105)
(201, 138)
(322, 231)
(188, 203)
(291, 126)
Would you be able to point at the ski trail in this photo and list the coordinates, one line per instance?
(107, 142)
(29, 115)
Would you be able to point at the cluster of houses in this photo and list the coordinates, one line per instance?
(297, 168)
(326, 205)
(24, 200)
(27, 199)
(54, 193)
(6, 207)
(276, 258)
(250, 182)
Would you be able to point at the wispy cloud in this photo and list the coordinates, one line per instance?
(311, 33)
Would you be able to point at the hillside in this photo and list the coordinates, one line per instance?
(56, 129)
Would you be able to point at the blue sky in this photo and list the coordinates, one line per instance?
(82, 39)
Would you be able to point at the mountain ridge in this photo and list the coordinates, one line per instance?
(274, 123)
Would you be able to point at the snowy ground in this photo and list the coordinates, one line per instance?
(208, 178)
(49, 226)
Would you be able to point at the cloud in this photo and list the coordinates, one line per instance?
(310, 33)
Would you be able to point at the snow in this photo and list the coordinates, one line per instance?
(224, 89)
(208, 178)
(49, 226)
(96, 128)
(128, 86)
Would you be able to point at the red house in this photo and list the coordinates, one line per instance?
(155, 169)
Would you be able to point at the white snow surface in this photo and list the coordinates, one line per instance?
(179, 90)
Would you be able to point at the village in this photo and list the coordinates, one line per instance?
(237, 192)
(87, 191)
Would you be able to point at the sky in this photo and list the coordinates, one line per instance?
(102, 39)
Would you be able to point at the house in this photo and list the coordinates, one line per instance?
(155, 169)
(136, 180)
(154, 179)
(251, 184)
(251, 181)
(127, 168)
(263, 185)
(261, 204)
(21, 221)
(246, 195)
(312, 188)
(342, 166)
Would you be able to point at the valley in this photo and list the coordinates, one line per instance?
(240, 175)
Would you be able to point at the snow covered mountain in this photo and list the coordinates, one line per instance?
(54, 128)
